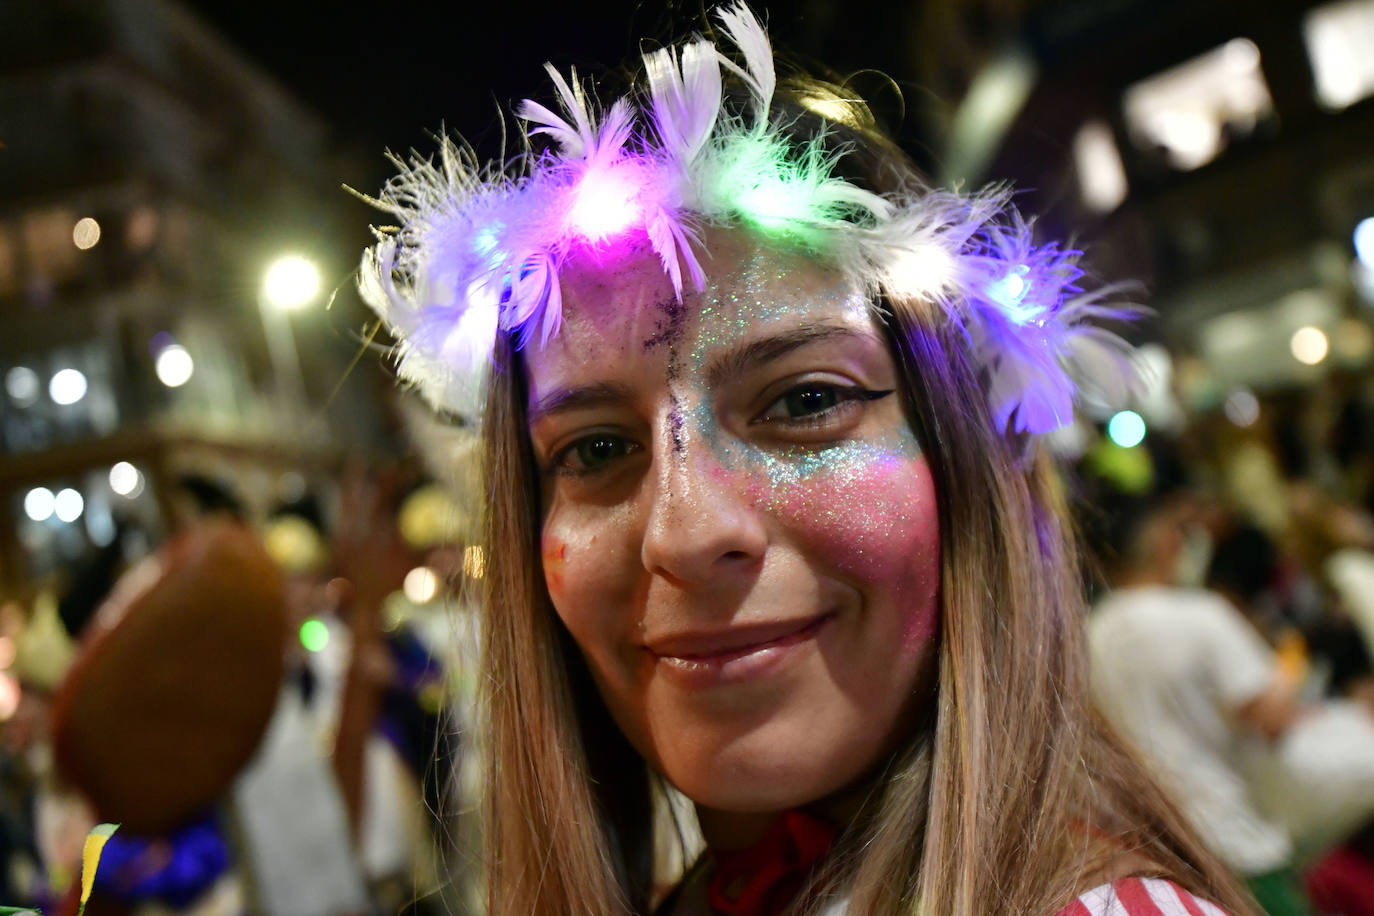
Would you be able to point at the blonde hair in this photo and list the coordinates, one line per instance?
(1011, 797)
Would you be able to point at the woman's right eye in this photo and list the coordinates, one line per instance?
(592, 453)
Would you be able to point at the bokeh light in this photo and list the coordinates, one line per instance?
(1364, 242)
(290, 282)
(86, 233)
(314, 635)
(9, 696)
(474, 562)
(126, 480)
(1126, 428)
(39, 504)
(21, 384)
(67, 386)
(1241, 407)
(1309, 345)
(68, 505)
(174, 366)
(421, 585)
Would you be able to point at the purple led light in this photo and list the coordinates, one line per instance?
(607, 202)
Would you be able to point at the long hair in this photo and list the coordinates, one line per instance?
(1011, 797)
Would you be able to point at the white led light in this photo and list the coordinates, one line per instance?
(920, 272)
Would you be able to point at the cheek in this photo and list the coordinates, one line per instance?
(554, 553)
(584, 561)
(874, 521)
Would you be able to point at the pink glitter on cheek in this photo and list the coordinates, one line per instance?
(874, 523)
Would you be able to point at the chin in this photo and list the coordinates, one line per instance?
(773, 768)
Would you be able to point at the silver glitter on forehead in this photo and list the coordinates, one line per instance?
(750, 296)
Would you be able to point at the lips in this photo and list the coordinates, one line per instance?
(734, 654)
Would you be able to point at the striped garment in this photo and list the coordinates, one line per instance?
(1140, 897)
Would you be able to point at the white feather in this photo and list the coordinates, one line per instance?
(749, 36)
(684, 103)
(574, 139)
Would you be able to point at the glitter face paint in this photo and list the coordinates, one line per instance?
(740, 530)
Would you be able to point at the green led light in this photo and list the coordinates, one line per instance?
(314, 635)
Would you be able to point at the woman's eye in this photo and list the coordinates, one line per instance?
(593, 453)
(814, 401)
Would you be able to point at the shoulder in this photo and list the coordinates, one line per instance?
(1140, 897)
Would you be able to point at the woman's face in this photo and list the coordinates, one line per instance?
(739, 527)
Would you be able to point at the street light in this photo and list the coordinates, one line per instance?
(291, 282)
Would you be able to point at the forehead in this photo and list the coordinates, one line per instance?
(619, 305)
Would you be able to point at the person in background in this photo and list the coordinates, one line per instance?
(1191, 682)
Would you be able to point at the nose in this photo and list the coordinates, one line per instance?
(703, 527)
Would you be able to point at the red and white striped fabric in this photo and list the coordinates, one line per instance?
(1140, 897)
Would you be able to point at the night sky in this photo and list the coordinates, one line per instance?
(387, 74)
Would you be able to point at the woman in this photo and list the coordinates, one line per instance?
(768, 521)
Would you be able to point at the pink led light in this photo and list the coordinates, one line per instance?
(607, 202)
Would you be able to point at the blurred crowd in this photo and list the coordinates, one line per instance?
(268, 703)
(1231, 635)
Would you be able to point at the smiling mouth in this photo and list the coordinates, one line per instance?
(736, 654)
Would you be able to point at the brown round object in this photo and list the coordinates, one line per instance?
(175, 680)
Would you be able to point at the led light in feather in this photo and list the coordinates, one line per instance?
(606, 201)
(1008, 292)
(753, 178)
(921, 272)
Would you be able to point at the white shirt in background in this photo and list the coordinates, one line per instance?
(1170, 668)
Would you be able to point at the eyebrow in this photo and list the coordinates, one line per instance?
(597, 394)
(737, 361)
(777, 346)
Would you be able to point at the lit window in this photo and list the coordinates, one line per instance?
(1101, 176)
(1191, 110)
(1340, 43)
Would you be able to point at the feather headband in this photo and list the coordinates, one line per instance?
(479, 248)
